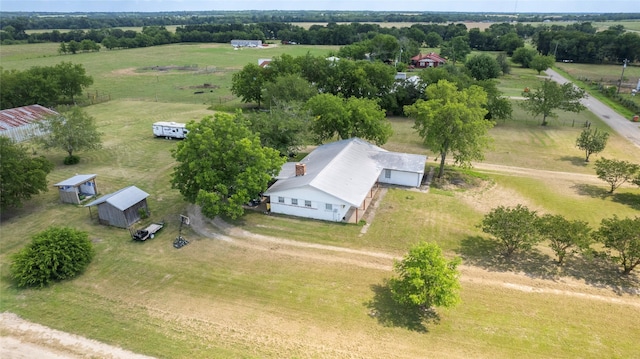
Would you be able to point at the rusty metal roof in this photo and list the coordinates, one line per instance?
(21, 116)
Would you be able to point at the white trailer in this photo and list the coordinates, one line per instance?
(170, 130)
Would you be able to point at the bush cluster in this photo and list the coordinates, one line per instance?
(55, 254)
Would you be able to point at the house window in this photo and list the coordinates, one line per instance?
(294, 201)
(280, 199)
(307, 203)
(328, 206)
(387, 173)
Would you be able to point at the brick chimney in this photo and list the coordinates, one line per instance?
(301, 169)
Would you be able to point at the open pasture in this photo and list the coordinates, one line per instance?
(233, 294)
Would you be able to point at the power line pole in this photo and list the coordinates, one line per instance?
(624, 66)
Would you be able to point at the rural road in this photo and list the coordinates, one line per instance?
(626, 128)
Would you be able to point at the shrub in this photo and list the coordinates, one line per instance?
(71, 160)
(55, 254)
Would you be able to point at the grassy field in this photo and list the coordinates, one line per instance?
(249, 299)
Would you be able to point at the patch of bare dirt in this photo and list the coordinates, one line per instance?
(23, 339)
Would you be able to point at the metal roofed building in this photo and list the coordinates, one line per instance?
(337, 181)
(72, 189)
(21, 123)
(121, 208)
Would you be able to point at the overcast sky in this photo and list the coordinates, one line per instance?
(507, 6)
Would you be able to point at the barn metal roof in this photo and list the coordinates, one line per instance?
(75, 180)
(346, 169)
(122, 199)
(21, 116)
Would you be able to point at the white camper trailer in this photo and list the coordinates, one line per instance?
(169, 130)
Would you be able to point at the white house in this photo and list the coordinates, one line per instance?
(337, 181)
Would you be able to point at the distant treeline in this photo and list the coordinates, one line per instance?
(578, 42)
(44, 20)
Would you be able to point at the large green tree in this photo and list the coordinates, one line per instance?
(621, 236)
(616, 172)
(71, 80)
(426, 279)
(456, 49)
(564, 236)
(515, 228)
(74, 130)
(347, 118)
(248, 83)
(523, 56)
(222, 165)
(55, 254)
(44, 85)
(483, 67)
(284, 128)
(592, 141)
(549, 97)
(21, 175)
(541, 62)
(452, 121)
(288, 88)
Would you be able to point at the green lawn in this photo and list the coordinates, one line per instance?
(214, 299)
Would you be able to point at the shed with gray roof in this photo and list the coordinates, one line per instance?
(121, 208)
(77, 188)
(337, 181)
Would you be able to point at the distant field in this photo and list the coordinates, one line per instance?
(245, 297)
(633, 25)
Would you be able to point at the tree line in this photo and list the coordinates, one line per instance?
(90, 20)
(48, 86)
(518, 229)
(578, 42)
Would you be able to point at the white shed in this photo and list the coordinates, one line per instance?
(337, 181)
(76, 188)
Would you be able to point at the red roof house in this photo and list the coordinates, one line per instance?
(428, 60)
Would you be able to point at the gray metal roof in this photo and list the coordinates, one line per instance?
(75, 180)
(121, 199)
(346, 169)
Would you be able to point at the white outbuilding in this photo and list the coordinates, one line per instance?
(337, 181)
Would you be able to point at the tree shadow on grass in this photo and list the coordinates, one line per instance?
(591, 190)
(486, 253)
(575, 160)
(630, 199)
(391, 314)
(599, 272)
(593, 269)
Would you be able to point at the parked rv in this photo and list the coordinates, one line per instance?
(170, 130)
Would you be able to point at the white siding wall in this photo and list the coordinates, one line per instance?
(409, 179)
(22, 133)
(318, 208)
